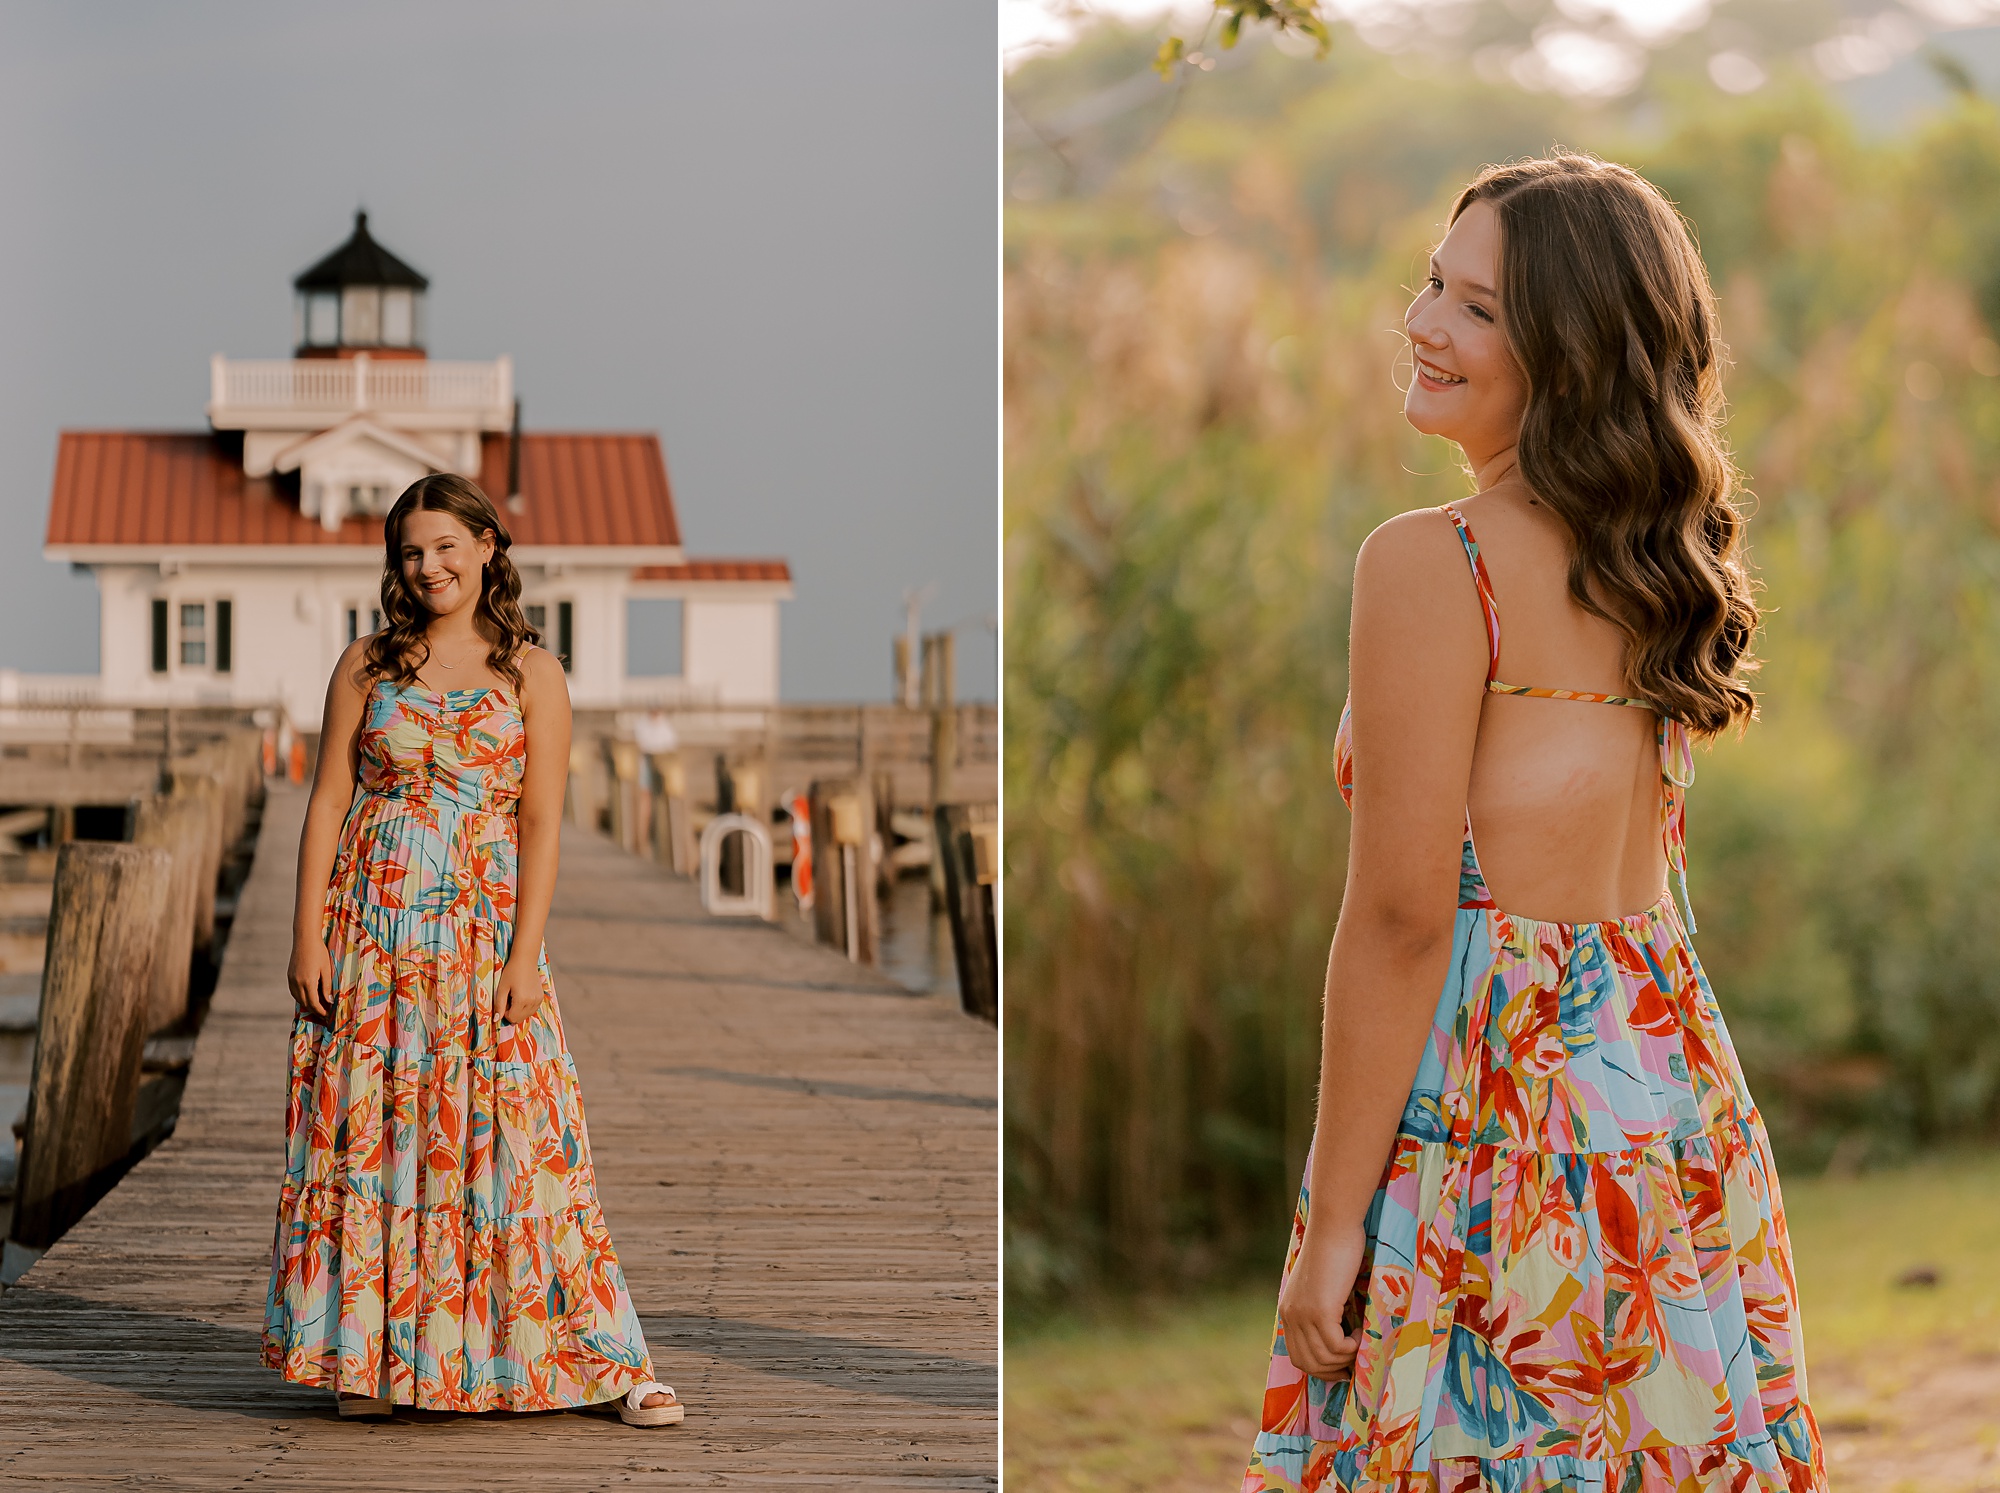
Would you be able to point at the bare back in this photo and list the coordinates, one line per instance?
(1564, 795)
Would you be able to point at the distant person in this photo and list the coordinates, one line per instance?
(655, 734)
(439, 1241)
(1540, 1244)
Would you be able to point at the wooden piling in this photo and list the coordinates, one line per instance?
(624, 765)
(179, 826)
(104, 937)
(845, 912)
(968, 844)
(205, 786)
(675, 817)
(944, 753)
(884, 787)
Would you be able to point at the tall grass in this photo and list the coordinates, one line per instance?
(1202, 426)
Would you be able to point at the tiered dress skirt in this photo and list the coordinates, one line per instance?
(1577, 1274)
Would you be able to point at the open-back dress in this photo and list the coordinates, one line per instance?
(439, 1230)
(1577, 1274)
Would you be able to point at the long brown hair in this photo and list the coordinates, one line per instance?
(1608, 310)
(400, 648)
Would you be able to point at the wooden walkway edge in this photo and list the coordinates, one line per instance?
(799, 1167)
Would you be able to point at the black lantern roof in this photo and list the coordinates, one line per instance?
(360, 261)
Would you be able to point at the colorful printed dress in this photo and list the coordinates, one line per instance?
(439, 1229)
(1577, 1274)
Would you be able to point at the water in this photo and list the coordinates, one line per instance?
(916, 942)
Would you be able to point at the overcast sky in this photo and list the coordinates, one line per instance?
(766, 230)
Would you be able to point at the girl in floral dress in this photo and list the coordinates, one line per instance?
(1540, 1244)
(439, 1240)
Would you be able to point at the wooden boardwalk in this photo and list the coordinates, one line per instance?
(798, 1163)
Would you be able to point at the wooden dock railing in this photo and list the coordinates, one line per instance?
(135, 913)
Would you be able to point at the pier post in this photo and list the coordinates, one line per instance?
(104, 937)
(180, 827)
(940, 669)
(845, 912)
(969, 847)
(677, 843)
(624, 759)
(205, 787)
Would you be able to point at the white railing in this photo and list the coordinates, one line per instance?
(59, 691)
(395, 385)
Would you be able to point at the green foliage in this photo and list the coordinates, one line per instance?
(1288, 17)
(1201, 427)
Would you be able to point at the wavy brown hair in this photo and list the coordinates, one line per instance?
(1608, 310)
(400, 648)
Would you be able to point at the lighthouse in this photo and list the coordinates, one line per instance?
(360, 298)
(234, 563)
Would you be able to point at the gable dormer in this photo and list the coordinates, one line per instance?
(357, 467)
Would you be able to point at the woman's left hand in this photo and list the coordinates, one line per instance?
(519, 992)
(1314, 1299)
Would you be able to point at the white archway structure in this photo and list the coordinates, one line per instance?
(755, 900)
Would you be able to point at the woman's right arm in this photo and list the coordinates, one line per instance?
(1417, 668)
(311, 972)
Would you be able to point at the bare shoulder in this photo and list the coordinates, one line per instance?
(1414, 554)
(351, 672)
(542, 679)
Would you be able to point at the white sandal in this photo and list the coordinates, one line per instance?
(632, 1409)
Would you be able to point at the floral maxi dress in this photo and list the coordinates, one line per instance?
(439, 1230)
(1576, 1275)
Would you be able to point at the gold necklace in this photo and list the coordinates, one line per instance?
(442, 664)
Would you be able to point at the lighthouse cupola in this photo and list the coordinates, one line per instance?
(360, 298)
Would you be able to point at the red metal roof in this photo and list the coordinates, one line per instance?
(716, 570)
(183, 488)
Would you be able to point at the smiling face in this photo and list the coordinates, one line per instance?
(1467, 387)
(443, 561)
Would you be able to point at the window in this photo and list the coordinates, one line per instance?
(322, 319)
(653, 636)
(564, 641)
(159, 635)
(194, 635)
(225, 626)
(398, 318)
(354, 622)
(361, 315)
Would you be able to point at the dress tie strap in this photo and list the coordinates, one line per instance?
(1676, 774)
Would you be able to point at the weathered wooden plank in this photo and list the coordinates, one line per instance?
(797, 1161)
(106, 780)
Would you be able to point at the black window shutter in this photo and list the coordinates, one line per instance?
(224, 617)
(159, 635)
(565, 634)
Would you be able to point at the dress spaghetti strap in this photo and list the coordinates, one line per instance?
(1676, 751)
(1489, 605)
